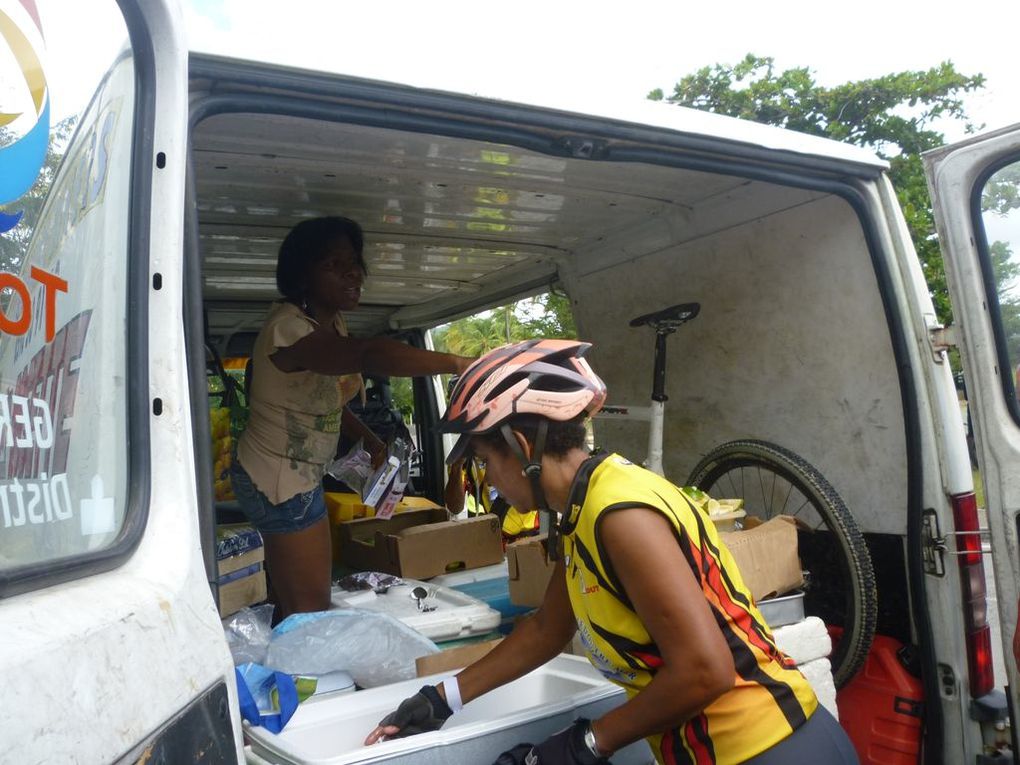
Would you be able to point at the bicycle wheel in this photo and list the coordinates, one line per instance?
(841, 584)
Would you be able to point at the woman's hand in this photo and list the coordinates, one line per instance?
(462, 363)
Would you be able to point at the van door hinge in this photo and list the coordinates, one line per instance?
(942, 339)
(933, 544)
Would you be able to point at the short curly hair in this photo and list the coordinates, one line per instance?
(562, 437)
(306, 244)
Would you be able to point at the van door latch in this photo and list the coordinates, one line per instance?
(933, 544)
(942, 339)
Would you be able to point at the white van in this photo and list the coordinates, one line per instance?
(816, 333)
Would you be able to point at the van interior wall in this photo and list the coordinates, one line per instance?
(791, 346)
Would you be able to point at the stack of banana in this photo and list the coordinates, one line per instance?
(221, 449)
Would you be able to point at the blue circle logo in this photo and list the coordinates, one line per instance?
(21, 161)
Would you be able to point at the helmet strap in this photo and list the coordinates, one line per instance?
(533, 470)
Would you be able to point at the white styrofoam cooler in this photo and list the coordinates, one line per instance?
(331, 731)
(469, 575)
(454, 614)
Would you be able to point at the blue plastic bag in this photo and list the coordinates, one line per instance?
(267, 697)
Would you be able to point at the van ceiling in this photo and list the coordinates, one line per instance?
(451, 225)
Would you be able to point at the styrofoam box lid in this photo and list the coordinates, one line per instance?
(332, 731)
(467, 576)
(456, 615)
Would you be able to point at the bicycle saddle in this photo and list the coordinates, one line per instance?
(668, 318)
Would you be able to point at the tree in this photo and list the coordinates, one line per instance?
(894, 115)
(14, 243)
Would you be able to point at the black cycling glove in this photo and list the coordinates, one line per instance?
(564, 748)
(424, 711)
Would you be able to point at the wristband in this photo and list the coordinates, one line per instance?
(451, 688)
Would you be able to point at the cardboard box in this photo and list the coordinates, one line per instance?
(453, 658)
(242, 581)
(418, 544)
(246, 591)
(529, 570)
(766, 554)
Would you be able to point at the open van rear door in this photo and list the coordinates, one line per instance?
(975, 187)
(111, 646)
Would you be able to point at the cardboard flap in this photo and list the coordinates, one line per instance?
(453, 658)
(449, 526)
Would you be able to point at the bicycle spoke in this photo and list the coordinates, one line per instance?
(786, 501)
(733, 488)
(805, 503)
(764, 501)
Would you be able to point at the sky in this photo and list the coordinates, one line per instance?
(568, 53)
(571, 52)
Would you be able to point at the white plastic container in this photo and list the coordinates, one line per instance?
(467, 576)
(446, 614)
(331, 731)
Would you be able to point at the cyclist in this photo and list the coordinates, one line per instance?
(468, 487)
(660, 605)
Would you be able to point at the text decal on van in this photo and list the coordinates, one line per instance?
(51, 284)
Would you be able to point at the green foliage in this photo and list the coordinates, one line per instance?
(1002, 192)
(1006, 271)
(547, 315)
(894, 116)
(14, 243)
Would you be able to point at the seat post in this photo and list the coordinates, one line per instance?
(662, 332)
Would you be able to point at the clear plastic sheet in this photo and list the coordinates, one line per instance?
(248, 633)
(353, 468)
(374, 648)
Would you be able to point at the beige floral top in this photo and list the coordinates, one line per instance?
(294, 420)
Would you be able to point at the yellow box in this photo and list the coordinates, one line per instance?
(345, 506)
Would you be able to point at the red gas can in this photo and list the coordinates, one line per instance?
(881, 708)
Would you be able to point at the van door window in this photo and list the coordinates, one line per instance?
(1000, 219)
(65, 169)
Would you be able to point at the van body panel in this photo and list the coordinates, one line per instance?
(97, 665)
(781, 315)
(956, 175)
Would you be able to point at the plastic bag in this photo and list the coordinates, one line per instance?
(374, 648)
(354, 468)
(376, 581)
(266, 697)
(248, 633)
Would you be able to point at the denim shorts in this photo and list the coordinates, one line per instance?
(294, 514)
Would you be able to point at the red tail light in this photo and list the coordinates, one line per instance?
(972, 583)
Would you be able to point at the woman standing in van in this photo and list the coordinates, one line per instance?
(659, 603)
(304, 371)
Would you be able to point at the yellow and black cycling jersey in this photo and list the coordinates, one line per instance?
(770, 698)
(481, 497)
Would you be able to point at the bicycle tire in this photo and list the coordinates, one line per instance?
(841, 589)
